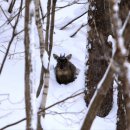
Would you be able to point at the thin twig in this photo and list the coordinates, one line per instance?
(73, 20)
(83, 25)
(6, 16)
(16, 15)
(12, 38)
(72, 96)
(70, 4)
(41, 11)
(12, 124)
(41, 111)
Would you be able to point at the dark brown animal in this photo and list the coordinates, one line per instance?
(65, 71)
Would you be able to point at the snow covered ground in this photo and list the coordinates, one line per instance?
(68, 115)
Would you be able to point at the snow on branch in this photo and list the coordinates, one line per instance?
(112, 41)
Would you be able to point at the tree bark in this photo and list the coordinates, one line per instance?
(52, 26)
(99, 53)
(124, 8)
(27, 67)
(97, 99)
(48, 25)
(31, 114)
(121, 113)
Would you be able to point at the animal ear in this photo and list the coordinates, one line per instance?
(55, 56)
(69, 56)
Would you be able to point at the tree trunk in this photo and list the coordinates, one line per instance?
(121, 113)
(29, 46)
(99, 53)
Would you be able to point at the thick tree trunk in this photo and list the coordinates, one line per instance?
(121, 113)
(99, 53)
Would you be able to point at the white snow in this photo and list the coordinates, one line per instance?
(112, 41)
(116, 7)
(45, 59)
(127, 65)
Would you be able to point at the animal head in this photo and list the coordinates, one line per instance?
(62, 60)
(65, 71)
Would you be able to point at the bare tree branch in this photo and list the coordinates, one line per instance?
(42, 111)
(70, 4)
(12, 124)
(72, 96)
(41, 10)
(12, 38)
(73, 20)
(11, 6)
(83, 25)
(6, 16)
(10, 19)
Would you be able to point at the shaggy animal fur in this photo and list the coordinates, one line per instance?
(65, 71)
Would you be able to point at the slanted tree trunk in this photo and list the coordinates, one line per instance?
(99, 52)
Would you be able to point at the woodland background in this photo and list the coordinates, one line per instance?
(96, 33)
